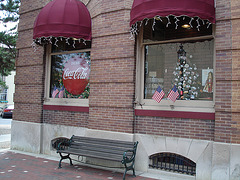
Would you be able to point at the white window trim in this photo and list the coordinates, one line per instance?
(167, 105)
(60, 101)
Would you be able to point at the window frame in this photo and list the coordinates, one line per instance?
(60, 101)
(168, 105)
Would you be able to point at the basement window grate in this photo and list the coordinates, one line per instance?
(172, 162)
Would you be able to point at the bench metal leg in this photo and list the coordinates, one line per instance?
(64, 157)
(134, 172)
(127, 168)
(124, 174)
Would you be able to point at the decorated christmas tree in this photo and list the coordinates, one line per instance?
(186, 77)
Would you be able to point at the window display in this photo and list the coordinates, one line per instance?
(188, 66)
(69, 77)
(178, 55)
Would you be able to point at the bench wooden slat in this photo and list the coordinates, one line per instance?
(102, 140)
(112, 145)
(109, 151)
(102, 150)
(111, 148)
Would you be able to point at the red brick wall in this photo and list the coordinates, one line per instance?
(111, 119)
(176, 127)
(112, 78)
(65, 118)
(30, 75)
(235, 125)
(223, 73)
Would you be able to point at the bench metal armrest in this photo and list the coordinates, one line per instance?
(126, 158)
(63, 145)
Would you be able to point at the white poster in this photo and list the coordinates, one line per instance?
(205, 73)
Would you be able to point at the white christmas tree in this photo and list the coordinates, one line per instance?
(186, 77)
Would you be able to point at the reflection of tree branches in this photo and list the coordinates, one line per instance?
(86, 92)
(56, 70)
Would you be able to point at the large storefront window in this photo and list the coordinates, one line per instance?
(176, 54)
(70, 75)
(191, 74)
(180, 56)
(69, 70)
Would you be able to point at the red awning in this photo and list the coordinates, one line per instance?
(63, 18)
(142, 9)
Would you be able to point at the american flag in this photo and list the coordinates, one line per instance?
(173, 94)
(158, 95)
(60, 95)
(55, 92)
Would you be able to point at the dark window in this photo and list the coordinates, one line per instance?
(172, 162)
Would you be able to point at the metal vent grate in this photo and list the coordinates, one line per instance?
(173, 162)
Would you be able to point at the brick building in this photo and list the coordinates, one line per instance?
(201, 127)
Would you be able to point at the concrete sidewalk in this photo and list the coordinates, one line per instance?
(16, 165)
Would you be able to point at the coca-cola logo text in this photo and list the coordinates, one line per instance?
(80, 73)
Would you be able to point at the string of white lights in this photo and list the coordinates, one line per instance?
(135, 27)
(176, 22)
(54, 41)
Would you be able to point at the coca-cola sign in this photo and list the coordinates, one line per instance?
(75, 75)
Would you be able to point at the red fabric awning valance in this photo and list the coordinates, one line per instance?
(63, 18)
(142, 9)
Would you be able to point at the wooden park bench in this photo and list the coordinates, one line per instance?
(113, 150)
